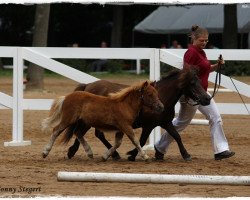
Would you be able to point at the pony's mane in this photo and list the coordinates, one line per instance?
(172, 74)
(120, 95)
(184, 76)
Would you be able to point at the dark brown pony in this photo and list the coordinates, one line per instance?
(170, 88)
(116, 112)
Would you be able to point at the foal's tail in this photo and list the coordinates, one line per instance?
(68, 133)
(54, 114)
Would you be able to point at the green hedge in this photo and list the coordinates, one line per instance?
(112, 66)
(231, 68)
(236, 68)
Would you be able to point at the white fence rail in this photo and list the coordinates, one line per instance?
(44, 58)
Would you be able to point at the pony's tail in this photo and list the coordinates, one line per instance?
(54, 115)
(68, 134)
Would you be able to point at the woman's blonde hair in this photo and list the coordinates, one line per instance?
(196, 32)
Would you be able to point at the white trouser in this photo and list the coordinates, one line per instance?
(185, 116)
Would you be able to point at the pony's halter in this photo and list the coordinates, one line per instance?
(141, 92)
(195, 98)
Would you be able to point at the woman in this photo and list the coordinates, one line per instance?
(196, 56)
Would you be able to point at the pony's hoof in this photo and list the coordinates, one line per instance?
(91, 156)
(131, 158)
(188, 158)
(104, 159)
(146, 158)
(130, 152)
(149, 160)
(44, 155)
(116, 156)
(70, 155)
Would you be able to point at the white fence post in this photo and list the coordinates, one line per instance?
(150, 146)
(154, 74)
(138, 66)
(157, 76)
(17, 125)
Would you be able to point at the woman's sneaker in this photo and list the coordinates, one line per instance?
(223, 155)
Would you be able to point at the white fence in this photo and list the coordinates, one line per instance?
(44, 58)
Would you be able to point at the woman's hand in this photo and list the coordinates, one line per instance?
(220, 60)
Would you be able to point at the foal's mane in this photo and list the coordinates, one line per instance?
(120, 95)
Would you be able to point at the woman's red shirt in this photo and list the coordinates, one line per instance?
(197, 58)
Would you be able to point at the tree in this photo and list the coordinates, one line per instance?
(230, 27)
(40, 35)
(116, 37)
(1, 64)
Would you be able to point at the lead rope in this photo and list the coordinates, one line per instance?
(239, 95)
(219, 72)
(218, 75)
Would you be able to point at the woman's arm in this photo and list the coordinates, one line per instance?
(214, 67)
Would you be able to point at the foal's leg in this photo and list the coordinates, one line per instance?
(118, 141)
(74, 148)
(56, 132)
(143, 139)
(100, 135)
(86, 147)
(80, 137)
(130, 133)
(76, 128)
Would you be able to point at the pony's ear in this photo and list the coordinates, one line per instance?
(153, 83)
(145, 84)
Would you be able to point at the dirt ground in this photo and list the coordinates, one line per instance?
(23, 171)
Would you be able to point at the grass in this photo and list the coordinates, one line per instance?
(5, 72)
